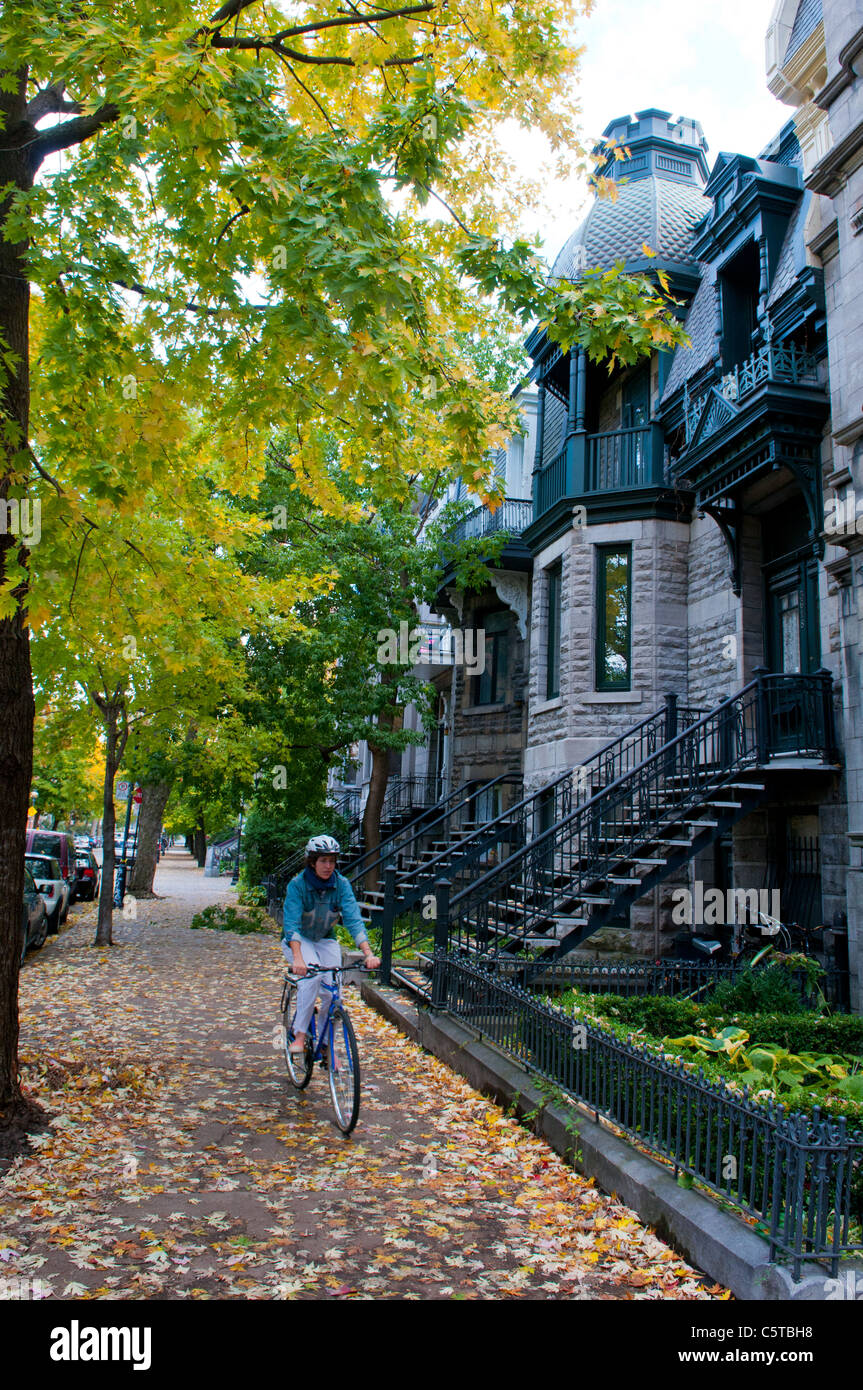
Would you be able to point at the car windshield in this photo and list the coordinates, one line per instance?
(45, 844)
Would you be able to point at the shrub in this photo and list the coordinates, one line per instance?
(662, 1017)
(769, 989)
(226, 918)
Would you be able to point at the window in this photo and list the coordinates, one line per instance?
(552, 661)
(739, 280)
(613, 617)
(489, 687)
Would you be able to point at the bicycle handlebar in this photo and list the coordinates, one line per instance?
(329, 970)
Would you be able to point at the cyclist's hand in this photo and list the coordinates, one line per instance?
(371, 962)
(300, 967)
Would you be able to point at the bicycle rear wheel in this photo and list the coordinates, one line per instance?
(299, 1066)
(344, 1072)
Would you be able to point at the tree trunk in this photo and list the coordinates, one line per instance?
(17, 709)
(389, 721)
(372, 810)
(200, 850)
(149, 829)
(112, 708)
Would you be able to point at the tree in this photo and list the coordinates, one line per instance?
(218, 256)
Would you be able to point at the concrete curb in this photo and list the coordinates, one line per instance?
(716, 1242)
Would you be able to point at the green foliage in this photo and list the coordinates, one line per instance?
(660, 1016)
(221, 918)
(769, 989)
(770, 1067)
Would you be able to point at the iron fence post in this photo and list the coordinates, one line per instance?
(829, 743)
(441, 941)
(387, 924)
(762, 717)
(671, 717)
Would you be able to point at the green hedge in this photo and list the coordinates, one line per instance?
(664, 1017)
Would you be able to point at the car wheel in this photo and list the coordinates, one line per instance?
(41, 935)
(53, 922)
(63, 917)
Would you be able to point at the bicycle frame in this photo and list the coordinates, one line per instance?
(335, 992)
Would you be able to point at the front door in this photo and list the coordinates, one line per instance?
(793, 647)
(793, 641)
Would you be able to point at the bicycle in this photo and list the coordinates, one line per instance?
(336, 1049)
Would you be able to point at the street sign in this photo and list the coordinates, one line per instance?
(138, 797)
(121, 790)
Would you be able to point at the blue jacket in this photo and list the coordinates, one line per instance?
(311, 913)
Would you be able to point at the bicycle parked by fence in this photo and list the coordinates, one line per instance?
(331, 1041)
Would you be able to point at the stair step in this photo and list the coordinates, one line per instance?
(614, 878)
(704, 824)
(734, 805)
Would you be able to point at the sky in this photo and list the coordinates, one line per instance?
(703, 59)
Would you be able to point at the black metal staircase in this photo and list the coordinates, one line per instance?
(582, 873)
(410, 877)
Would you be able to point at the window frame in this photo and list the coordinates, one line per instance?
(601, 684)
(496, 643)
(554, 585)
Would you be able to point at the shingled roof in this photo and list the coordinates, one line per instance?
(652, 211)
(701, 327)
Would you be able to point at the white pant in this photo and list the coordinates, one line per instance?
(328, 953)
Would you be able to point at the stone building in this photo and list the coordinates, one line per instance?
(688, 530)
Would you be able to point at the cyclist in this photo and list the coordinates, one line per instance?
(315, 899)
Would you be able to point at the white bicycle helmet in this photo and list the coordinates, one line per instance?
(323, 844)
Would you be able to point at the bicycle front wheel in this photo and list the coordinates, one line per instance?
(299, 1065)
(344, 1072)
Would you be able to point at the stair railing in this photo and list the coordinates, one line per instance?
(774, 715)
(404, 839)
(516, 827)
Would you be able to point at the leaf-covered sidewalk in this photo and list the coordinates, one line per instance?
(182, 1164)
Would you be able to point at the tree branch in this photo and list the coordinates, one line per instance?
(61, 137)
(344, 21)
(230, 222)
(49, 101)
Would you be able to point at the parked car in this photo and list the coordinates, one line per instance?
(57, 844)
(55, 889)
(85, 885)
(34, 919)
(130, 851)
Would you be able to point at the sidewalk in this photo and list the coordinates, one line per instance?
(182, 1164)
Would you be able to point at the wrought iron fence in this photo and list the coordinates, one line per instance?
(668, 978)
(799, 1175)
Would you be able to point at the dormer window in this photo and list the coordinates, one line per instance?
(739, 280)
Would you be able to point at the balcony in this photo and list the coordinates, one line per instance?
(511, 518)
(764, 415)
(782, 364)
(513, 515)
